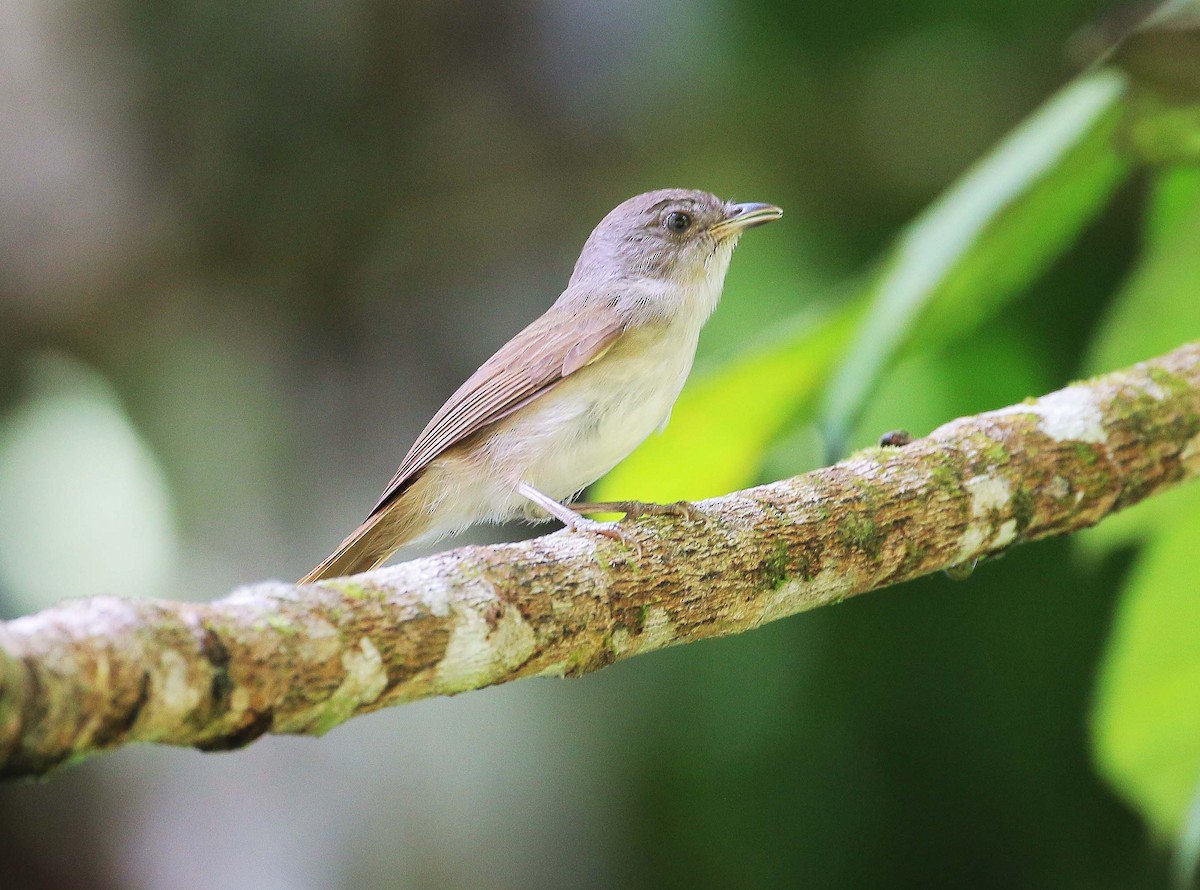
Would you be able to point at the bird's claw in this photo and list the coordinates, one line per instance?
(610, 530)
(682, 509)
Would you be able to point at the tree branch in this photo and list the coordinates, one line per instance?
(93, 674)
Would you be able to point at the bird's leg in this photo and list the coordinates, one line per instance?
(633, 509)
(572, 520)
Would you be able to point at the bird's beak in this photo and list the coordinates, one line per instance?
(739, 217)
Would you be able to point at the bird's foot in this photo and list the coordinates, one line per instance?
(571, 518)
(633, 509)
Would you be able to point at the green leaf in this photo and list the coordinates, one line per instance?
(992, 233)
(1175, 198)
(925, 388)
(724, 421)
(1156, 131)
(1157, 309)
(1159, 305)
(1146, 725)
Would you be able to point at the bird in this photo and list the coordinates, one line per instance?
(570, 396)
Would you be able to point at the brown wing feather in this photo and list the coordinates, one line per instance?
(555, 346)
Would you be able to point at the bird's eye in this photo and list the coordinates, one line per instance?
(678, 221)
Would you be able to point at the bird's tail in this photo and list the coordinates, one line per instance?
(381, 535)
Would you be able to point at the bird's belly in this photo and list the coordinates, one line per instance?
(591, 421)
(608, 431)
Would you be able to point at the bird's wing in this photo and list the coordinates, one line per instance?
(529, 365)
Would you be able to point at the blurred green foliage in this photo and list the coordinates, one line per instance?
(952, 269)
(1147, 739)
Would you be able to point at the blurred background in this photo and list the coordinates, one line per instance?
(246, 250)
